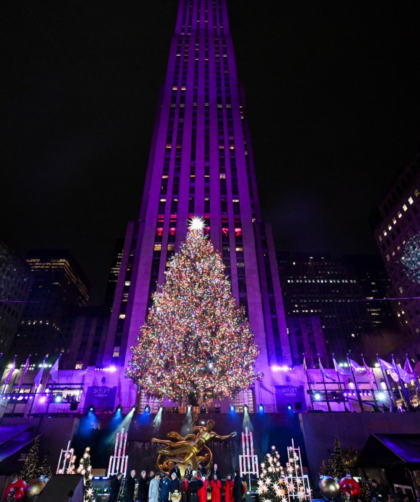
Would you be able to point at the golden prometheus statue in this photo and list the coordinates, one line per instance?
(190, 449)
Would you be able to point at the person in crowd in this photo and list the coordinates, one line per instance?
(174, 484)
(228, 488)
(216, 487)
(183, 488)
(154, 488)
(188, 472)
(130, 486)
(376, 492)
(193, 486)
(175, 469)
(165, 486)
(201, 468)
(142, 492)
(202, 492)
(216, 471)
(150, 477)
(115, 488)
(237, 488)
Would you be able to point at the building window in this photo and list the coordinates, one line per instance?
(116, 352)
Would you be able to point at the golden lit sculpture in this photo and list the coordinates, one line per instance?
(185, 450)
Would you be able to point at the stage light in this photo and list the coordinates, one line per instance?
(381, 396)
(176, 409)
(119, 409)
(133, 408)
(317, 396)
(43, 399)
(92, 408)
(289, 407)
(147, 409)
(232, 408)
(261, 408)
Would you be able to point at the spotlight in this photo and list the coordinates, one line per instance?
(176, 410)
(202, 409)
(92, 408)
(119, 409)
(289, 407)
(134, 407)
(381, 396)
(58, 398)
(217, 410)
(42, 400)
(317, 396)
(232, 408)
(147, 409)
(261, 408)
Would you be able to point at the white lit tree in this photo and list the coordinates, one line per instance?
(85, 469)
(271, 485)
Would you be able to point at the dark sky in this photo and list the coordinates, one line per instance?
(333, 101)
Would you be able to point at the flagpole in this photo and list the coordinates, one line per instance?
(413, 375)
(325, 387)
(307, 379)
(385, 381)
(374, 378)
(40, 383)
(339, 381)
(359, 397)
(407, 397)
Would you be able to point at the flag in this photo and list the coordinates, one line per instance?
(340, 370)
(357, 368)
(54, 370)
(38, 377)
(305, 368)
(408, 368)
(390, 367)
(12, 369)
(25, 369)
(403, 375)
(323, 372)
(370, 374)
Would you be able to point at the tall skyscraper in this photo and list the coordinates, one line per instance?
(59, 288)
(201, 163)
(114, 273)
(394, 222)
(15, 284)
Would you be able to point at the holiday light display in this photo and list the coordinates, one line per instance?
(119, 461)
(411, 258)
(248, 462)
(196, 342)
(85, 469)
(66, 462)
(297, 483)
(272, 486)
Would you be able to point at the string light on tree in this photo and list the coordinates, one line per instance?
(196, 341)
(85, 469)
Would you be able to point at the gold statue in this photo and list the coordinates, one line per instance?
(186, 449)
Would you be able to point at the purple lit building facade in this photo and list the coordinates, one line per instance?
(201, 163)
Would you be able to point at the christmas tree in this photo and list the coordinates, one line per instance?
(85, 469)
(339, 470)
(365, 492)
(271, 485)
(11, 497)
(196, 342)
(325, 471)
(45, 469)
(29, 470)
(297, 484)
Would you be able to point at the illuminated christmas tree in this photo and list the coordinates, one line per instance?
(271, 485)
(85, 469)
(30, 467)
(196, 342)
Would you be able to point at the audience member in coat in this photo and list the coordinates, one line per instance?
(216, 487)
(228, 488)
(115, 488)
(154, 488)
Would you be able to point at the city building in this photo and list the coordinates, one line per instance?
(15, 284)
(319, 285)
(395, 221)
(59, 289)
(307, 338)
(114, 273)
(201, 163)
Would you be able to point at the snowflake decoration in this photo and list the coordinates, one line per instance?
(411, 258)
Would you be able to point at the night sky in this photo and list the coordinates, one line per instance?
(333, 98)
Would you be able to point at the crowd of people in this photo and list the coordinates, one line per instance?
(194, 486)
